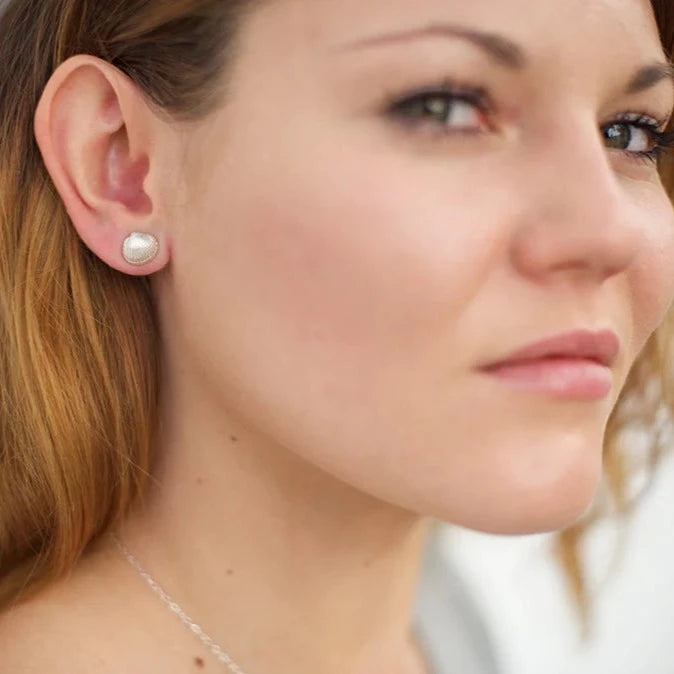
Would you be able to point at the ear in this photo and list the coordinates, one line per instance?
(106, 152)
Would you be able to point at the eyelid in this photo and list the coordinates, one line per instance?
(475, 94)
(480, 95)
(639, 118)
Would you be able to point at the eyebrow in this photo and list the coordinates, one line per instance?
(649, 76)
(501, 50)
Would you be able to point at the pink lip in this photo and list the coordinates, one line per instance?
(570, 365)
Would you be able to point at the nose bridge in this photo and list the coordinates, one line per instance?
(576, 212)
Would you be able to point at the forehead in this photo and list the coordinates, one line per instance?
(543, 26)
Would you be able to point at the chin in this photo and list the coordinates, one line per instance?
(555, 517)
(521, 517)
(497, 505)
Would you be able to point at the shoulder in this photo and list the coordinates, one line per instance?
(33, 639)
(75, 625)
(98, 619)
(49, 633)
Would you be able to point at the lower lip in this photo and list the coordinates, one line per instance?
(577, 378)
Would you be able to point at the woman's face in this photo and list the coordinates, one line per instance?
(342, 265)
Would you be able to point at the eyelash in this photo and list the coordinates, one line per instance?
(479, 98)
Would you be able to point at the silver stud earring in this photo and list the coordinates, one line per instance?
(140, 248)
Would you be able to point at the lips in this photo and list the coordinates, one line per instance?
(601, 347)
(573, 365)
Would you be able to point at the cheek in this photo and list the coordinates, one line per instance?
(351, 258)
(314, 267)
(652, 276)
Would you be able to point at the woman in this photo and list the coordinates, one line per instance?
(269, 274)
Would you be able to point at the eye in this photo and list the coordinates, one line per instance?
(637, 135)
(621, 136)
(452, 109)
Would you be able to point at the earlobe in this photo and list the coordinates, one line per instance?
(94, 131)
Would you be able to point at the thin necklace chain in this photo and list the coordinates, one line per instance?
(217, 651)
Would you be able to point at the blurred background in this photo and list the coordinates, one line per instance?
(520, 590)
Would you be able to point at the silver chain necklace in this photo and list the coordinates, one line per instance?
(217, 651)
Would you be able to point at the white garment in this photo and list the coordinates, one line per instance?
(446, 620)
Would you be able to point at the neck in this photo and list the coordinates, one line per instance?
(260, 547)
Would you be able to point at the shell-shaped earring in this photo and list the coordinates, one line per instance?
(139, 248)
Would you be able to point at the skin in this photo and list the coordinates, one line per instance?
(328, 281)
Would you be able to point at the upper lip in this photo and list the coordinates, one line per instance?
(602, 346)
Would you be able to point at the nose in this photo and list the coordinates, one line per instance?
(577, 217)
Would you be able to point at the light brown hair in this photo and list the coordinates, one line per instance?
(79, 341)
